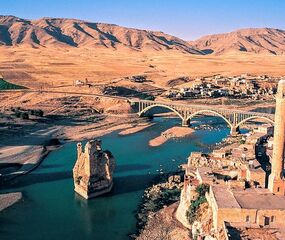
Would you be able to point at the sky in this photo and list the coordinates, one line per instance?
(187, 19)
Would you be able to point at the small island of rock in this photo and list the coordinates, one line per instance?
(93, 170)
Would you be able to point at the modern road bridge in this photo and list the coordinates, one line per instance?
(234, 118)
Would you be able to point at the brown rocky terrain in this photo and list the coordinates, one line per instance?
(62, 32)
(252, 40)
(164, 225)
(55, 52)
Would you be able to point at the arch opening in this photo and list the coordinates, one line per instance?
(255, 118)
(211, 112)
(147, 109)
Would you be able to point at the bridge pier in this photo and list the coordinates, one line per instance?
(185, 123)
(235, 131)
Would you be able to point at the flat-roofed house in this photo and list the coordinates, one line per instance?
(250, 207)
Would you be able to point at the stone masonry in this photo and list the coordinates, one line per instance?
(93, 170)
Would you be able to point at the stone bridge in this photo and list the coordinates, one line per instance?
(234, 118)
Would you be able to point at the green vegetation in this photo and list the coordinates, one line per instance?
(25, 114)
(4, 85)
(191, 214)
(36, 112)
(163, 193)
(148, 97)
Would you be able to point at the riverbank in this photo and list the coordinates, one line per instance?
(135, 129)
(171, 133)
(164, 225)
(22, 153)
(156, 215)
(8, 199)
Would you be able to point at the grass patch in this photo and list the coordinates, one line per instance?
(4, 85)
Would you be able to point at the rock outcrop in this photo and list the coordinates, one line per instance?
(93, 170)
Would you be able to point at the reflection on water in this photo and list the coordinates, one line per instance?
(51, 210)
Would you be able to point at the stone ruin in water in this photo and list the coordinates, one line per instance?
(93, 170)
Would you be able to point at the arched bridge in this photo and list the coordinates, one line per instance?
(234, 118)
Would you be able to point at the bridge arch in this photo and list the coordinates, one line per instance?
(210, 111)
(143, 111)
(255, 117)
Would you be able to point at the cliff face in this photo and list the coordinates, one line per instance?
(93, 170)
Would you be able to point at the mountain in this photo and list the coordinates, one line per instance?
(253, 40)
(62, 32)
(49, 32)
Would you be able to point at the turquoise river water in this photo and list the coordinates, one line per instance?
(51, 210)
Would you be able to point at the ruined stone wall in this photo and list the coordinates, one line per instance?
(93, 170)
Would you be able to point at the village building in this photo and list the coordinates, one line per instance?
(250, 207)
(241, 194)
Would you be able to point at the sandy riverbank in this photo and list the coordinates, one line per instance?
(20, 155)
(8, 199)
(135, 129)
(174, 132)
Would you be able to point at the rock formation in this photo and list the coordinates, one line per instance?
(93, 170)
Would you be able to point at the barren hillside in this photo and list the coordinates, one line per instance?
(253, 40)
(54, 52)
(47, 32)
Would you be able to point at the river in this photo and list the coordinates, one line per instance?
(51, 210)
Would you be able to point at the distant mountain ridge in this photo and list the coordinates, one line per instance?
(253, 40)
(64, 32)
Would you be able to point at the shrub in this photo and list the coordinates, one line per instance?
(150, 98)
(39, 113)
(202, 189)
(24, 115)
(17, 113)
(191, 214)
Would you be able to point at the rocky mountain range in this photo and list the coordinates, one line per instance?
(62, 32)
(254, 40)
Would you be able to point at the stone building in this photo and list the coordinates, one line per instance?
(241, 194)
(251, 207)
(93, 170)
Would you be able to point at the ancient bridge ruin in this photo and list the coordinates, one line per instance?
(234, 118)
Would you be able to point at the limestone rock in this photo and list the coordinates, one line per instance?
(93, 170)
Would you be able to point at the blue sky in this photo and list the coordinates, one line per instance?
(188, 19)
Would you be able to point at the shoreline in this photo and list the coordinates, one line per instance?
(171, 133)
(24, 169)
(159, 201)
(9, 199)
(29, 157)
(135, 129)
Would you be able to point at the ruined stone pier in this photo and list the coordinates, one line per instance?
(93, 170)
